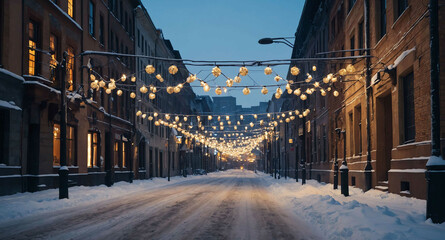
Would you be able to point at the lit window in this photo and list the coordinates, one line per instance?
(53, 61)
(70, 145)
(124, 163)
(33, 65)
(70, 8)
(70, 69)
(56, 145)
(92, 150)
(116, 154)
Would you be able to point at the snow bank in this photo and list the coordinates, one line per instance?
(27, 204)
(363, 215)
(370, 215)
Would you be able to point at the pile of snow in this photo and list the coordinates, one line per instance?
(26, 204)
(362, 215)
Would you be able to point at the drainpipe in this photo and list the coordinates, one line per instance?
(368, 167)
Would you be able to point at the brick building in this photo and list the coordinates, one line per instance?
(102, 134)
(399, 105)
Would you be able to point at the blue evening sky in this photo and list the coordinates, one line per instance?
(229, 30)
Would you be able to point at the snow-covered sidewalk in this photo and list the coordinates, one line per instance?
(362, 215)
(370, 215)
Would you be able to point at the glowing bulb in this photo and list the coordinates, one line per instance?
(314, 68)
(218, 91)
(246, 91)
(206, 88)
(216, 71)
(150, 69)
(295, 71)
(119, 92)
(264, 91)
(243, 71)
(268, 70)
(173, 69)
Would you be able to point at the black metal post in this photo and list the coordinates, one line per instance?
(338, 131)
(368, 167)
(285, 150)
(279, 153)
(344, 170)
(168, 157)
(303, 150)
(63, 170)
(435, 174)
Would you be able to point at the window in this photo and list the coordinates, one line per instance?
(101, 29)
(124, 160)
(33, 44)
(325, 144)
(408, 108)
(116, 154)
(358, 130)
(351, 4)
(91, 19)
(4, 135)
(352, 45)
(400, 7)
(53, 48)
(71, 8)
(70, 69)
(351, 134)
(93, 149)
(361, 37)
(382, 18)
(121, 11)
(111, 42)
(70, 145)
(139, 40)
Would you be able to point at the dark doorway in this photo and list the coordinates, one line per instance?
(384, 136)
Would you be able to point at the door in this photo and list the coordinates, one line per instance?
(384, 136)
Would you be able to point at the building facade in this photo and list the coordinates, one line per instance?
(399, 106)
(104, 136)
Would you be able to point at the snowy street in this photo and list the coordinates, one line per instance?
(227, 205)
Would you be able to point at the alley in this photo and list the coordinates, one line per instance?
(228, 206)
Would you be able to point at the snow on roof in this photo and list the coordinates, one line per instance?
(43, 85)
(10, 105)
(66, 15)
(400, 58)
(6, 72)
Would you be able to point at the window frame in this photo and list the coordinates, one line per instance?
(406, 108)
(70, 69)
(101, 29)
(35, 39)
(70, 8)
(91, 18)
(90, 149)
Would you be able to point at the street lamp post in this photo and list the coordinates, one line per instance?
(63, 170)
(303, 150)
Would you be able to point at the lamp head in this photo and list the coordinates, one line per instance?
(265, 41)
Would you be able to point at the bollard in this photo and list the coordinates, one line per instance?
(344, 179)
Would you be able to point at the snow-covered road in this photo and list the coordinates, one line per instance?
(231, 205)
